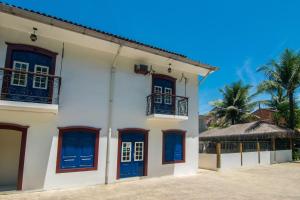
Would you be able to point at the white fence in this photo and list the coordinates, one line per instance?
(208, 161)
(244, 159)
(281, 156)
(230, 160)
(250, 159)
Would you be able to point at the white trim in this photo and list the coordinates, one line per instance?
(35, 76)
(128, 149)
(166, 97)
(167, 117)
(14, 73)
(157, 90)
(135, 151)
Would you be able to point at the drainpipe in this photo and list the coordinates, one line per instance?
(110, 107)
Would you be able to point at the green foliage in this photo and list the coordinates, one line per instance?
(235, 107)
(283, 78)
(296, 154)
(281, 116)
(297, 118)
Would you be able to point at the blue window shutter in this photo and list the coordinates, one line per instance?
(78, 150)
(69, 157)
(169, 147)
(178, 150)
(87, 151)
(173, 147)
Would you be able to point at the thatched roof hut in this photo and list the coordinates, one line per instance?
(247, 131)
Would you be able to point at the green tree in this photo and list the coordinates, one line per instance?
(278, 101)
(236, 105)
(284, 74)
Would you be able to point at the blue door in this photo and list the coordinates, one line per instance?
(132, 155)
(28, 87)
(163, 99)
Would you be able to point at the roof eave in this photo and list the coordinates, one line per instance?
(49, 20)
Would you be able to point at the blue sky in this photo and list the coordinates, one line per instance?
(237, 36)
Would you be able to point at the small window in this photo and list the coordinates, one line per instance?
(168, 96)
(157, 93)
(126, 152)
(40, 82)
(19, 76)
(77, 149)
(173, 146)
(138, 151)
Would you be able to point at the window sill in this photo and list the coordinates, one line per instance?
(75, 170)
(173, 162)
(167, 117)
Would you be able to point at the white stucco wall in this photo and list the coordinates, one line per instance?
(84, 102)
(265, 157)
(230, 160)
(281, 156)
(10, 143)
(129, 111)
(208, 161)
(250, 159)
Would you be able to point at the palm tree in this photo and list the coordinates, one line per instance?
(236, 105)
(275, 90)
(285, 74)
(278, 101)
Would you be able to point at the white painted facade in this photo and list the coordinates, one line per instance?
(84, 101)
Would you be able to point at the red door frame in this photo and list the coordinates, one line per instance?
(23, 130)
(128, 130)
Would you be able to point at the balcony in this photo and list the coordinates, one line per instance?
(166, 106)
(29, 91)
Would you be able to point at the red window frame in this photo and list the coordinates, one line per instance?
(63, 130)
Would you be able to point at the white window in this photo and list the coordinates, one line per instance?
(126, 152)
(157, 96)
(138, 151)
(40, 82)
(168, 96)
(18, 78)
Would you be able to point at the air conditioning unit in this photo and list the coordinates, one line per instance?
(141, 69)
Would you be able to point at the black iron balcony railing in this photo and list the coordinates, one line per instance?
(167, 104)
(31, 87)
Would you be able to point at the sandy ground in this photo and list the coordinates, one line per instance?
(281, 181)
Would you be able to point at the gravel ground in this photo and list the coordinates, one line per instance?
(280, 181)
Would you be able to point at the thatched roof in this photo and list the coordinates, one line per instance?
(252, 130)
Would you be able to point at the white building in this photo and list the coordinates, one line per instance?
(82, 107)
